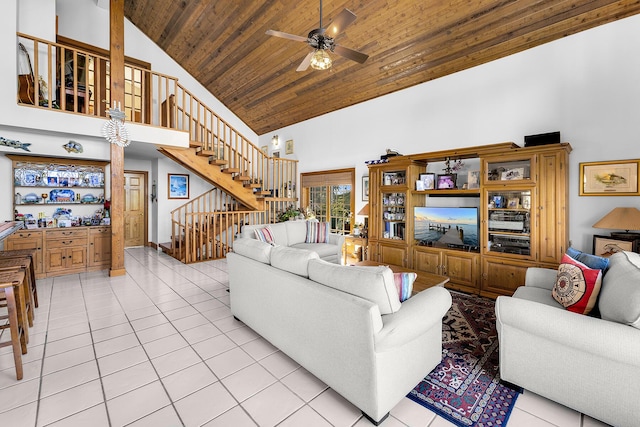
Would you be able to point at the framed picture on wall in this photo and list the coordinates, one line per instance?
(615, 178)
(365, 188)
(288, 146)
(178, 186)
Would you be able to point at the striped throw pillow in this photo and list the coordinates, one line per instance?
(404, 284)
(317, 232)
(264, 235)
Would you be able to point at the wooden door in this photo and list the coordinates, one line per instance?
(135, 208)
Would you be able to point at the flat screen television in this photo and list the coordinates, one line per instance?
(447, 226)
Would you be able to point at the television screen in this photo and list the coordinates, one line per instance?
(447, 226)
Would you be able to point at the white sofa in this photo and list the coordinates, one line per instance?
(293, 233)
(343, 324)
(587, 363)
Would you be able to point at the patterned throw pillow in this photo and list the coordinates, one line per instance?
(317, 232)
(577, 286)
(264, 235)
(404, 284)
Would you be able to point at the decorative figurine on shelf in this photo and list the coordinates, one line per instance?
(107, 207)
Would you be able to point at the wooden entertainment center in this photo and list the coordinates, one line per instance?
(522, 198)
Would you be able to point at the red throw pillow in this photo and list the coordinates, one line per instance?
(577, 286)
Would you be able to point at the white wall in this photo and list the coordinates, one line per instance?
(587, 86)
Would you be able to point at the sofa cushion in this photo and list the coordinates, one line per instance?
(296, 231)
(254, 249)
(323, 249)
(317, 232)
(577, 286)
(404, 284)
(591, 261)
(620, 296)
(264, 234)
(374, 284)
(292, 260)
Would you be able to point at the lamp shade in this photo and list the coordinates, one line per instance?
(365, 210)
(620, 219)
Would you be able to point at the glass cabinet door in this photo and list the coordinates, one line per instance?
(393, 216)
(509, 221)
(509, 171)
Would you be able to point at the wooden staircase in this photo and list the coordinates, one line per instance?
(242, 186)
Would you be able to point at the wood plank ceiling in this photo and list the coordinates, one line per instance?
(223, 45)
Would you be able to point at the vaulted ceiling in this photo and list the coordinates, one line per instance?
(224, 46)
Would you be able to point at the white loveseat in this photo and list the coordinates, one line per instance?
(343, 324)
(293, 233)
(586, 363)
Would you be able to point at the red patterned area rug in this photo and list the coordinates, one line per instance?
(464, 388)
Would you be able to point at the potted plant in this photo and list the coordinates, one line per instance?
(289, 213)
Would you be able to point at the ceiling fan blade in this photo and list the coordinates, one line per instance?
(286, 36)
(354, 55)
(340, 22)
(305, 62)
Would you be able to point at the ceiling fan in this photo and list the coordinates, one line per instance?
(322, 39)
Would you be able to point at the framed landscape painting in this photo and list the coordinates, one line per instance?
(178, 186)
(615, 178)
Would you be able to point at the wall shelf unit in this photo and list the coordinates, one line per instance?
(522, 200)
(41, 186)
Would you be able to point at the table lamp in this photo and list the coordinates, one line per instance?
(621, 219)
(365, 212)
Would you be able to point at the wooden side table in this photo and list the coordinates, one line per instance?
(354, 249)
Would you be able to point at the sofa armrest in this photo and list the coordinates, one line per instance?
(336, 239)
(417, 315)
(587, 334)
(544, 278)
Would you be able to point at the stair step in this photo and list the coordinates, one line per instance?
(231, 170)
(242, 178)
(264, 193)
(195, 144)
(253, 185)
(219, 162)
(202, 152)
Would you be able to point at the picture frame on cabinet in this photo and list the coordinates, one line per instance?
(473, 180)
(513, 203)
(612, 178)
(420, 185)
(365, 188)
(446, 181)
(178, 187)
(429, 180)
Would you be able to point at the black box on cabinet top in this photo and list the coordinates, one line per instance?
(542, 139)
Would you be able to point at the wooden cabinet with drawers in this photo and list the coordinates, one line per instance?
(62, 251)
(66, 251)
(28, 239)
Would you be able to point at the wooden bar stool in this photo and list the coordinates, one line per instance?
(31, 254)
(11, 287)
(21, 264)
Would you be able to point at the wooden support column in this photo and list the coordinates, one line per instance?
(116, 56)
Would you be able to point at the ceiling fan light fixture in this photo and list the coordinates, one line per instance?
(320, 60)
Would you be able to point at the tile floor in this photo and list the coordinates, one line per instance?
(159, 347)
